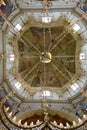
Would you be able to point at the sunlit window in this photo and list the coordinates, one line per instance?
(46, 19)
(76, 27)
(18, 85)
(18, 27)
(46, 93)
(11, 57)
(74, 86)
(82, 56)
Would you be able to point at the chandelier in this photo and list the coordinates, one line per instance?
(46, 122)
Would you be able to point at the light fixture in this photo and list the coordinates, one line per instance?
(14, 119)
(7, 109)
(80, 121)
(38, 122)
(61, 125)
(71, 127)
(67, 125)
(31, 124)
(55, 123)
(84, 117)
(42, 124)
(19, 122)
(25, 124)
(10, 114)
(74, 123)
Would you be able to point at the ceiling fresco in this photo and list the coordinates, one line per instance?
(43, 65)
(54, 64)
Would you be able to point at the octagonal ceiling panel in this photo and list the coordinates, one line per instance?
(45, 58)
(36, 67)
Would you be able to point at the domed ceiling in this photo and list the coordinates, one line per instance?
(44, 66)
(51, 62)
(46, 56)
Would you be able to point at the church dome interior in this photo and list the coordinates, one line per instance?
(43, 64)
